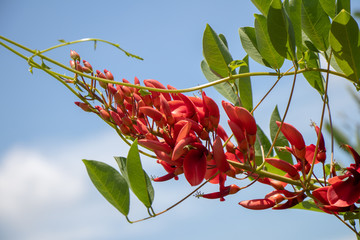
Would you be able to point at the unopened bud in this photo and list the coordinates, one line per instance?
(101, 75)
(74, 55)
(83, 106)
(108, 75)
(88, 65)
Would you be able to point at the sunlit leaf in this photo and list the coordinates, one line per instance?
(216, 53)
(248, 41)
(110, 184)
(315, 23)
(344, 40)
(264, 44)
(62, 40)
(329, 7)
(137, 177)
(244, 86)
(236, 64)
(262, 5)
(281, 141)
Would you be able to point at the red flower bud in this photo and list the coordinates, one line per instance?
(257, 204)
(294, 137)
(83, 106)
(87, 65)
(284, 166)
(108, 75)
(74, 55)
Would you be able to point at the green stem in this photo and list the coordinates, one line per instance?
(191, 89)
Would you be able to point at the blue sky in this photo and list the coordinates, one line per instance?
(45, 192)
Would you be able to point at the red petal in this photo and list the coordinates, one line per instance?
(155, 145)
(292, 135)
(284, 166)
(219, 156)
(344, 193)
(194, 167)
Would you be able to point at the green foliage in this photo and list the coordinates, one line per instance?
(226, 89)
(315, 79)
(110, 184)
(262, 5)
(264, 141)
(114, 186)
(216, 53)
(138, 180)
(249, 43)
(281, 141)
(280, 30)
(244, 86)
(344, 40)
(315, 23)
(264, 44)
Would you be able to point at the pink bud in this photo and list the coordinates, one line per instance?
(108, 75)
(87, 65)
(74, 55)
(83, 106)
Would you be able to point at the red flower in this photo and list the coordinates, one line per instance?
(344, 190)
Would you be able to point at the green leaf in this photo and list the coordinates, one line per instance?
(137, 177)
(308, 205)
(293, 10)
(344, 40)
(262, 5)
(244, 86)
(62, 40)
(248, 41)
(329, 7)
(223, 39)
(216, 53)
(121, 161)
(224, 89)
(280, 30)
(264, 44)
(110, 184)
(315, 79)
(281, 141)
(264, 142)
(315, 23)
(343, 4)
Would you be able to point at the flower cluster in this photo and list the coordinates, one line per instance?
(185, 135)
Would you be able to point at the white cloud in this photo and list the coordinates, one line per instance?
(28, 183)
